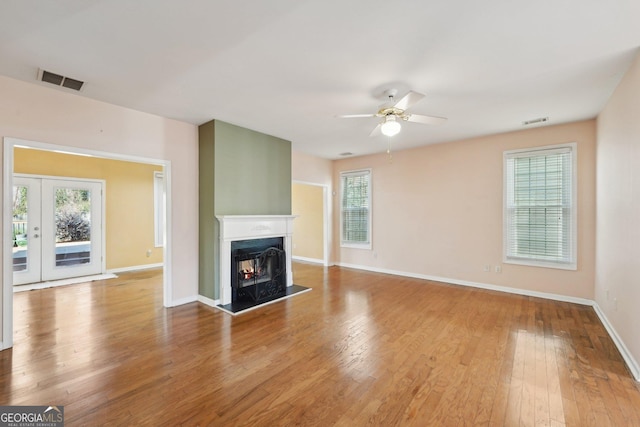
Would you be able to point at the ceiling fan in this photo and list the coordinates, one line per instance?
(392, 112)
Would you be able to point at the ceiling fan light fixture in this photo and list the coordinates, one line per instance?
(391, 126)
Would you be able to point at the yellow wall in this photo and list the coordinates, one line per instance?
(129, 205)
(306, 201)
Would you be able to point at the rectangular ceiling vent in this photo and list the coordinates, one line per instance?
(535, 121)
(58, 80)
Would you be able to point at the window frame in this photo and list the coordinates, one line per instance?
(353, 244)
(571, 264)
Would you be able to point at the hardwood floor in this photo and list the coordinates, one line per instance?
(359, 349)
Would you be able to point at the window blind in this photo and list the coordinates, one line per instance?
(539, 206)
(355, 207)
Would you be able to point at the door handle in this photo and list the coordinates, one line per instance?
(36, 235)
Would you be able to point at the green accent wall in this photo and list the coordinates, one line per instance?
(208, 244)
(242, 172)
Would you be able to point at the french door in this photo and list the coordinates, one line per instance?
(57, 229)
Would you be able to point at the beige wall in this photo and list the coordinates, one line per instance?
(37, 113)
(129, 204)
(617, 287)
(311, 169)
(308, 227)
(437, 211)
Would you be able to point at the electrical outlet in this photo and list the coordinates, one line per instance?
(498, 269)
(615, 304)
(148, 253)
(487, 268)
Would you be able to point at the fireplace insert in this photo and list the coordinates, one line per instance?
(258, 269)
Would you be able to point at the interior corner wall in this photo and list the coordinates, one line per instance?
(242, 172)
(617, 291)
(311, 169)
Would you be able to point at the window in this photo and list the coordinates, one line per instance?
(355, 209)
(540, 207)
(158, 208)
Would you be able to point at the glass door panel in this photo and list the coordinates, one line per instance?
(71, 228)
(20, 227)
(26, 230)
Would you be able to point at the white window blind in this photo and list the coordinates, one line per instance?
(540, 217)
(355, 208)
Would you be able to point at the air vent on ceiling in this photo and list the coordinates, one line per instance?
(535, 121)
(58, 80)
(346, 153)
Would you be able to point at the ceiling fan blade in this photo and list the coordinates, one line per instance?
(428, 120)
(354, 116)
(408, 100)
(377, 130)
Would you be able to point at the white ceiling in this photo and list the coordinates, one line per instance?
(287, 67)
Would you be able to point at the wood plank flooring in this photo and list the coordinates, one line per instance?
(359, 349)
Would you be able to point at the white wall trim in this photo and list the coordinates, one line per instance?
(135, 268)
(7, 261)
(517, 291)
(311, 260)
(632, 364)
(182, 301)
(208, 301)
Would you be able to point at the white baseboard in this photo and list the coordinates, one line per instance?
(525, 292)
(183, 301)
(208, 301)
(310, 260)
(135, 268)
(624, 351)
(632, 364)
(62, 282)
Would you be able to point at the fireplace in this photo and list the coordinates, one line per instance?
(265, 242)
(258, 269)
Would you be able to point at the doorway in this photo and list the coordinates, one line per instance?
(56, 228)
(309, 202)
(8, 162)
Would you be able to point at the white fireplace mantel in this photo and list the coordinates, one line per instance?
(246, 227)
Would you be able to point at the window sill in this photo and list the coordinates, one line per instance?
(543, 264)
(356, 245)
